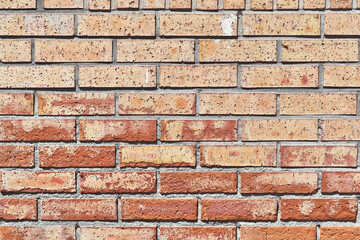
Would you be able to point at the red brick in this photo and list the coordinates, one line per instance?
(198, 233)
(16, 156)
(339, 232)
(120, 233)
(18, 209)
(340, 182)
(38, 232)
(16, 103)
(278, 233)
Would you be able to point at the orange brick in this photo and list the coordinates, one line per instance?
(233, 4)
(342, 24)
(314, 4)
(206, 233)
(341, 232)
(279, 129)
(341, 76)
(95, 233)
(341, 4)
(63, 4)
(127, 4)
(288, 4)
(38, 232)
(154, 4)
(16, 103)
(261, 4)
(237, 51)
(276, 233)
(180, 4)
(340, 130)
(157, 104)
(99, 4)
(18, 209)
(238, 103)
(15, 51)
(340, 182)
(206, 4)
(18, 4)
(16, 156)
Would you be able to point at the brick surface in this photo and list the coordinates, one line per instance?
(18, 209)
(277, 233)
(334, 233)
(122, 233)
(341, 76)
(288, 4)
(314, 4)
(18, 4)
(340, 182)
(127, 4)
(53, 4)
(15, 51)
(16, 156)
(16, 104)
(261, 4)
(201, 233)
(340, 130)
(99, 5)
(42, 232)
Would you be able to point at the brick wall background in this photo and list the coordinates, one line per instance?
(179, 119)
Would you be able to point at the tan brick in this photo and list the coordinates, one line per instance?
(237, 51)
(17, 4)
(320, 51)
(155, 51)
(281, 24)
(38, 232)
(99, 4)
(318, 103)
(199, 233)
(314, 4)
(340, 130)
(63, 4)
(16, 156)
(341, 232)
(155, 155)
(120, 233)
(18, 209)
(342, 24)
(76, 104)
(116, 25)
(156, 104)
(37, 77)
(206, 4)
(73, 51)
(233, 4)
(340, 182)
(261, 4)
(198, 25)
(288, 4)
(192, 76)
(154, 4)
(15, 51)
(117, 76)
(280, 76)
(341, 76)
(279, 129)
(278, 233)
(341, 4)
(127, 4)
(180, 4)
(16, 103)
(237, 156)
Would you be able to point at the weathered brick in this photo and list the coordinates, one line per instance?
(278, 233)
(318, 103)
(320, 51)
(16, 103)
(288, 4)
(118, 182)
(159, 209)
(38, 232)
(198, 25)
(342, 24)
(279, 129)
(63, 4)
(341, 76)
(340, 130)
(117, 76)
(281, 24)
(198, 182)
(237, 51)
(127, 4)
(237, 103)
(118, 130)
(153, 4)
(16, 156)
(278, 182)
(238, 209)
(99, 5)
(76, 104)
(318, 156)
(156, 104)
(199, 130)
(18, 209)
(261, 4)
(280, 76)
(192, 76)
(155, 51)
(200, 233)
(206, 4)
(121, 233)
(314, 4)
(29, 130)
(318, 209)
(116, 25)
(15, 51)
(341, 232)
(341, 4)
(18, 4)
(340, 182)
(79, 209)
(237, 156)
(73, 51)
(37, 182)
(36, 25)
(233, 4)
(155, 155)
(180, 4)
(76, 156)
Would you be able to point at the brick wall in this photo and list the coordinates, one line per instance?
(179, 119)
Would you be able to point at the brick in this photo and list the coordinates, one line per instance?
(237, 156)
(288, 4)
(16, 156)
(37, 77)
(121, 233)
(180, 4)
(279, 129)
(36, 25)
(314, 4)
(157, 156)
(99, 5)
(280, 76)
(237, 51)
(15, 51)
(29, 130)
(200, 233)
(233, 4)
(341, 4)
(237, 103)
(238, 209)
(342, 24)
(318, 156)
(155, 51)
(320, 51)
(198, 182)
(192, 76)
(318, 104)
(18, 4)
(281, 24)
(117, 130)
(116, 25)
(156, 104)
(118, 182)
(341, 232)
(16, 103)
(340, 182)
(198, 130)
(18, 209)
(73, 51)
(198, 25)
(79, 209)
(158, 209)
(278, 183)
(340, 130)
(206, 4)
(127, 4)
(38, 232)
(318, 209)
(37, 182)
(76, 104)
(117, 76)
(261, 4)
(341, 76)
(278, 233)
(154, 4)
(76, 156)
(63, 4)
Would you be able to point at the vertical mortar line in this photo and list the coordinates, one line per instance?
(278, 105)
(240, 26)
(77, 179)
(86, 4)
(157, 76)
(157, 174)
(327, 4)
(113, 4)
(32, 46)
(321, 76)
(279, 209)
(247, 5)
(220, 4)
(77, 129)
(193, 5)
(141, 4)
(237, 231)
(319, 130)
(317, 232)
(39, 5)
(197, 102)
(355, 4)
(239, 131)
(117, 155)
(199, 209)
(77, 231)
(167, 4)
(36, 156)
(118, 201)
(278, 51)
(158, 131)
(274, 5)
(38, 201)
(158, 231)
(197, 51)
(301, 4)
(322, 26)
(197, 156)
(239, 79)
(157, 25)
(278, 154)
(117, 103)
(114, 50)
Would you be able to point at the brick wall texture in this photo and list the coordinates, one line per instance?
(179, 119)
